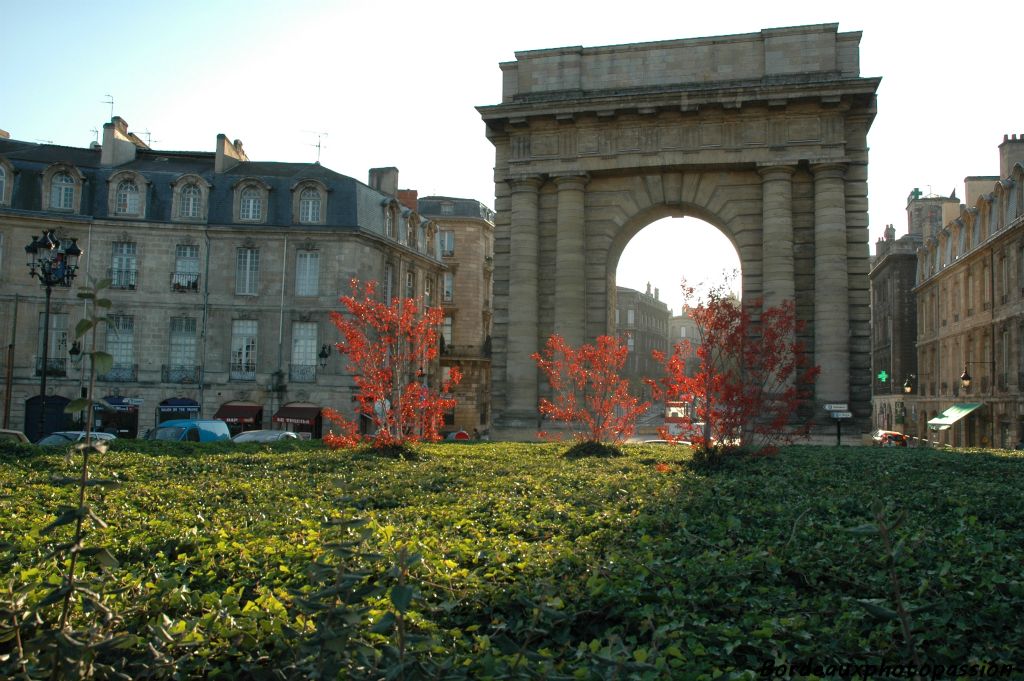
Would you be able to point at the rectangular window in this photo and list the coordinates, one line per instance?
(631, 316)
(121, 340)
(448, 290)
(410, 284)
(247, 272)
(186, 268)
(304, 352)
(123, 265)
(447, 242)
(182, 348)
(243, 350)
(307, 273)
(57, 352)
(389, 282)
(446, 330)
(428, 291)
(181, 354)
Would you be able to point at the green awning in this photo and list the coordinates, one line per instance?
(953, 414)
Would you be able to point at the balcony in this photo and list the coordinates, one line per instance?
(127, 373)
(242, 371)
(123, 279)
(185, 282)
(302, 373)
(55, 366)
(183, 373)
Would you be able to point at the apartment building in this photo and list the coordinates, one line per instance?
(223, 273)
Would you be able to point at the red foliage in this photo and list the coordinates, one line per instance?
(752, 375)
(588, 392)
(389, 347)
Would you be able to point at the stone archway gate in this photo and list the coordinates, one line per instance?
(764, 135)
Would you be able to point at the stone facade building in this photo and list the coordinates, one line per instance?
(466, 237)
(643, 318)
(970, 313)
(223, 273)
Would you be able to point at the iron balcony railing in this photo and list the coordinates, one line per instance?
(242, 371)
(302, 373)
(179, 373)
(123, 279)
(185, 282)
(126, 373)
(55, 366)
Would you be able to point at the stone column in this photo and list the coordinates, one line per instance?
(570, 260)
(521, 396)
(777, 233)
(831, 298)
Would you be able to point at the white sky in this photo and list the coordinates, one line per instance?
(396, 83)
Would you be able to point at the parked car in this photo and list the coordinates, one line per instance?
(190, 430)
(888, 438)
(265, 436)
(66, 437)
(12, 436)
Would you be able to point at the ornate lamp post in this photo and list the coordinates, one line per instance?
(54, 263)
(325, 352)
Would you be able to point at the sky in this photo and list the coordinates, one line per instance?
(397, 83)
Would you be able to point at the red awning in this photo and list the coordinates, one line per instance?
(303, 416)
(239, 413)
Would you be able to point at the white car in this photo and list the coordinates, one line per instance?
(67, 437)
(265, 436)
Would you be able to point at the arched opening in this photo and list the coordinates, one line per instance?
(649, 305)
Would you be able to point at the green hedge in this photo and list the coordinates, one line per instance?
(502, 560)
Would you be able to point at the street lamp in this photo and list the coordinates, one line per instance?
(908, 387)
(965, 378)
(53, 262)
(325, 352)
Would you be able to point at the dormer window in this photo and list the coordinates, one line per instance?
(191, 197)
(251, 209)
(251, 200)
(309, 199)
(127, 195)
(309, 206)
(62, 192)
(127, 201)
(389, 222)
(3, 184)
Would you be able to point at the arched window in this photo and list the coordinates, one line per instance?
(127, 199)
(191, 200)
(251, 204)
(389, 222)
(309, 206)
(62, 192)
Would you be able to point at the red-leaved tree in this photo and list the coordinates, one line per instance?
(589, 394)
(751, 378)
(389, 347)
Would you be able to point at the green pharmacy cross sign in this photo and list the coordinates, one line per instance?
(883, 376)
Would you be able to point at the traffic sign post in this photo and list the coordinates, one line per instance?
(839, 411)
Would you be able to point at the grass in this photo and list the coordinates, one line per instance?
(520, 561)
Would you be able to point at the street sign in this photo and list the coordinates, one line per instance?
(839, 406)
(842, 414)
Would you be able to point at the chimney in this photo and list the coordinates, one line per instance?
(1011, 152)
(384, 180)
(407, 197)
(657, 293)
(118, 144)
(5, 135)
(228, 154)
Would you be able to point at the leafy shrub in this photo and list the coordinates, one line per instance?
(510, 560)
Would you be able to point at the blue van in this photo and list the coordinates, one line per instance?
(190, 430)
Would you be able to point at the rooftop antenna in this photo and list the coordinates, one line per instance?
(96, 134)
(149, 138)
(319, 137)
(111, 103)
